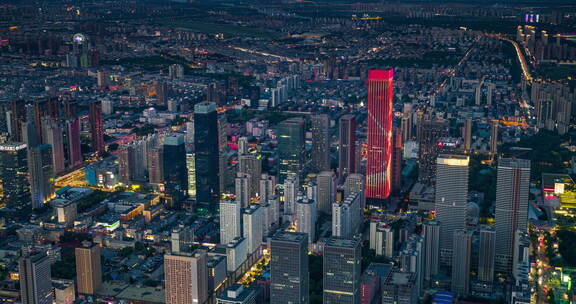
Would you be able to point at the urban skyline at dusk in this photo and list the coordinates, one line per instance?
(287, 152)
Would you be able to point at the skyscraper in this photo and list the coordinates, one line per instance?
(39, 163)
(347, 216)
(429, 131)
(355, 183)
(412, 259)
(320, 142)
(512, 189)
(35, 279)
(289, 281)
(242, 189)
(486, 251)
(396, 162)
(230, 221)
(291, 186)
(451, 199)
(431, 249)
(326, 182)
(461, 261)
(378, 166)
(347, 147)
(398, 287)
(72, 141)
(305, 217)
(88, 268)
(252, 219)
(207, 152)
(191, 170)
(290, 147)
(342, 271)
(15, 192)
(174, 164)
(186, 278)
(267, 187)
(156, 166)
(96, 127)
(494, 136)
(251, 164)
(53, 132)
(467, 134)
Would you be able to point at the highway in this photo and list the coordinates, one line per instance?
(521, 58)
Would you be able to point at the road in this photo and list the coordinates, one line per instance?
(525, 70)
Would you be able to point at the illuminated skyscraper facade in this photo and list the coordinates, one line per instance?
(14, 186)
(378, 167)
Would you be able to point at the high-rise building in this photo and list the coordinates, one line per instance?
(222, 124)
(53, 131)
(431, 249)
(494, 136)
(88, 268)
(512, 189)
(15, 192)
(320, 142)
(182, 239)
(451, 199)
(242, 145)
(230, 221)
(347, 147)
(156, 166)
(462, 253)
(17, 120)
(341, 277)
(326, 182)
(267, 187)
(174, 164)
(207, 152)
(96, 127)
(379, 164)
(251, 164)
(467, 134)
(384, 240)
(74, 150)
(355, 183)
(412, 260)
(35, 279)
(242, 189)
(290, 147)
(398, 287)
(41, 173)
(486, 251)
(291, 186)
(236, 253)
(305, 217)
(347, 216)
(396, 162)
(191, 170)
(252, 219)
(429, 131)
(237, 294)
(289, 281)
(186, 278)
(107, 106)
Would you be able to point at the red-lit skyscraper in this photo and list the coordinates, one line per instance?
(96, 127)
(378, 166)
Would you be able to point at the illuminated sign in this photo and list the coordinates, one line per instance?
(12, 147)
